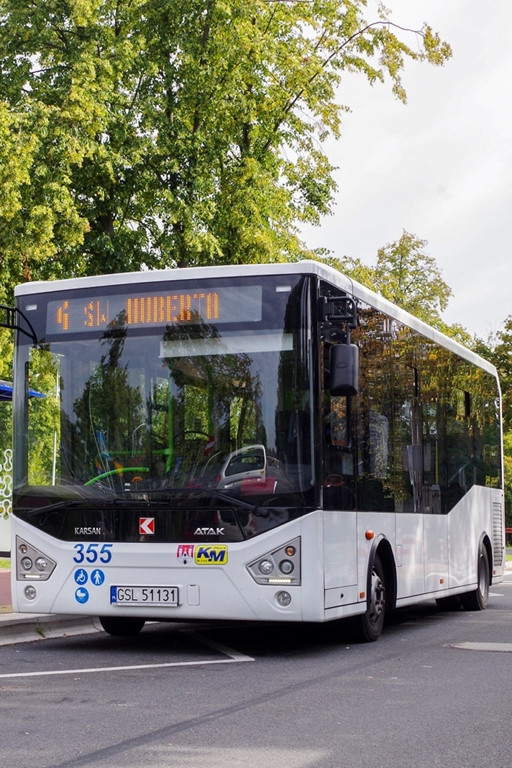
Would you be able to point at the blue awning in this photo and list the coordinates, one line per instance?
(6, 391)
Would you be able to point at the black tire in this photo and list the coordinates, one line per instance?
(451, 603)
(367, 627)
(477, 599)
(121, 626)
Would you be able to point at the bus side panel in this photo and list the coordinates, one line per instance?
(340, 549)
(409, 556)
(340, 560)
(471, 518)
(436, 556)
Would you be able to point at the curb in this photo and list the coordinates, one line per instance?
(26, 628)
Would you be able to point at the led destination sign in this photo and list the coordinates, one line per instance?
(233, 304)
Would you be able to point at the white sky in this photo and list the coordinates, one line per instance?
(440, 166)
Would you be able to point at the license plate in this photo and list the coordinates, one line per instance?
(131, 595)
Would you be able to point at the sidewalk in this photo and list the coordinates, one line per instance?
(27, 627)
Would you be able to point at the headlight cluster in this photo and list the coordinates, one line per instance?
(31, 563)
(281, 566)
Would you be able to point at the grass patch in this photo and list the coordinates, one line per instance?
(5, 562)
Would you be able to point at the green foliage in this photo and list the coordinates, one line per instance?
(500, 354)
(507, 461)
(6, 344)
(44, 417)
(408, 276)
(176, 132)
(498, 349)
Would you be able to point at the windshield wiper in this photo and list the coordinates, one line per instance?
(148, 497)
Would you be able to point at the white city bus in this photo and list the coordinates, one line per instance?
(258, 442)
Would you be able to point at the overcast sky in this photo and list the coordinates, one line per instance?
(439, 167)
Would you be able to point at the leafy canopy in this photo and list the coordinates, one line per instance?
(409, 276)
(176, 132)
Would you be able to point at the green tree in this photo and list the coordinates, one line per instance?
(499, 352)
(176, 132)
(498, 349)
(507, 461)
(409, 276)
(406, 274)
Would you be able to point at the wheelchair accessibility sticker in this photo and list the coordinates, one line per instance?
(81, 576)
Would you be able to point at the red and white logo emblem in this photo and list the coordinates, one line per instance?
(146, 525)
(185, 553)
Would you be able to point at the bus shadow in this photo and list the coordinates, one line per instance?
(166, 641)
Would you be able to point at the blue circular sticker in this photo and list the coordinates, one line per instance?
(97, 577)
(81, 576)
(81, 595)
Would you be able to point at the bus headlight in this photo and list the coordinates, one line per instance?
(32, 564)
(266, 567)
(283, 598)
(280, 566)
(30, 592)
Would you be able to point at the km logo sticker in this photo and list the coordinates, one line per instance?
(214, 554)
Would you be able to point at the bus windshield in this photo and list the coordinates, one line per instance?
(192, 407)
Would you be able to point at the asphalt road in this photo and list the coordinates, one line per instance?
(435, 690)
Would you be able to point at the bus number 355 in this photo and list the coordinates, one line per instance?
(93, 553)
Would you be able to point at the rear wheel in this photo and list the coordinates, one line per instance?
(121, 626)
(367, 627)
(477, 599)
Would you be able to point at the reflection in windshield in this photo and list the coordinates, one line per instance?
(188, 408)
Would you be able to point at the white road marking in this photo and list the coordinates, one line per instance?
(234, 657)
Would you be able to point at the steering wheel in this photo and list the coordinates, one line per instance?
(119, 472)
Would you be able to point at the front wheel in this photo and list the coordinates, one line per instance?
(121, 626)
(367, 627)
(477, 599)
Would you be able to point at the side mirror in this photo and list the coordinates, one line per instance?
(344, 361)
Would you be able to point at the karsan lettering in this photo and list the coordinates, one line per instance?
(88, 531)
(209, 532)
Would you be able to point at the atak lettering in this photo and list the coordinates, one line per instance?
(209, 532)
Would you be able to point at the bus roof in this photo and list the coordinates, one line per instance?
(247, 270)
